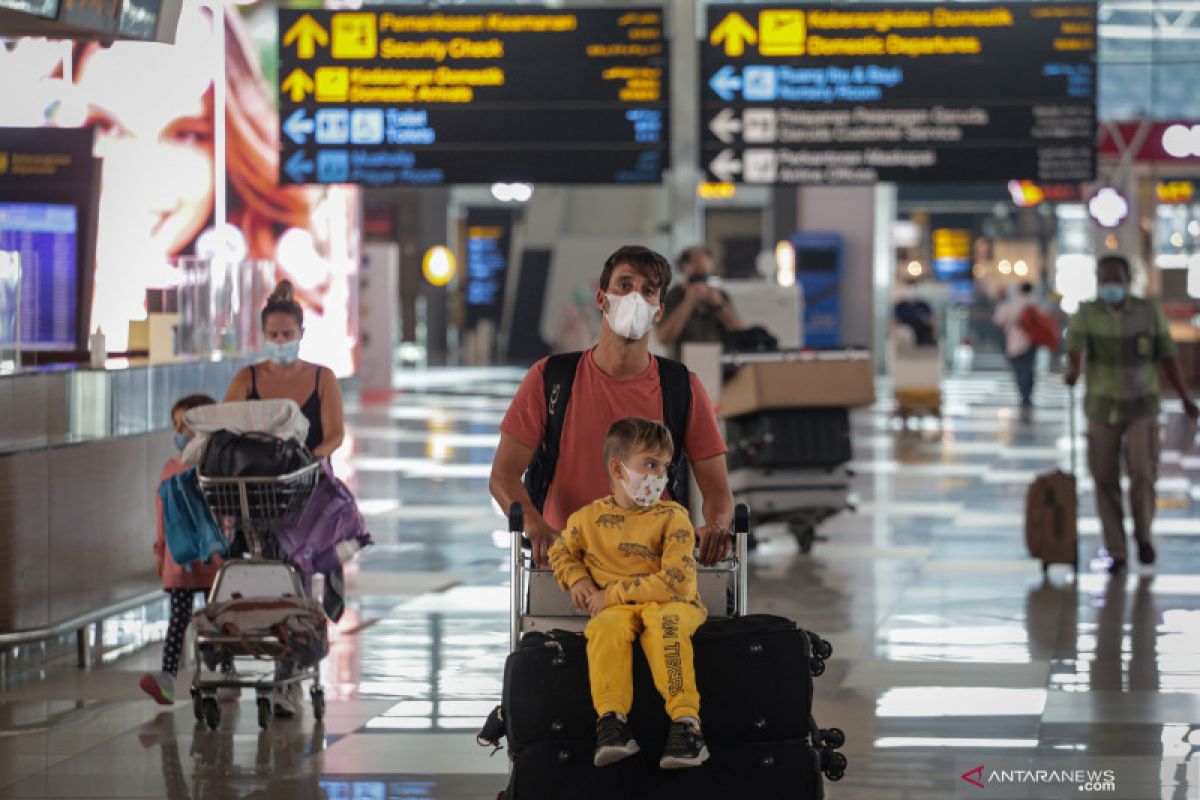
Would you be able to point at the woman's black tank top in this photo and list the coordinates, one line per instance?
(311, 409)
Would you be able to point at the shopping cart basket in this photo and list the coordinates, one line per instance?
(254, 506)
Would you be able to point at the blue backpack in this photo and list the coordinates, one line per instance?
(191, 532)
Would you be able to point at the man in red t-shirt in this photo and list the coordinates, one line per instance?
(615, 379)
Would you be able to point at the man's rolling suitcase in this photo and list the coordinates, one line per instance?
(794, 437)
(754, 675)
(789, 768)
(1052, 510)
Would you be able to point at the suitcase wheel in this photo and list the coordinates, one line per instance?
(833, 737)
(817, 668)
(833, 764)
(822, 649)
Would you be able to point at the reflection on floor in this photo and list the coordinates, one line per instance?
(950, 649)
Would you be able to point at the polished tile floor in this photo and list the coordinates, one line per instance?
(951, 650)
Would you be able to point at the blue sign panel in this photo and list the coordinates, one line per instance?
(819, 258)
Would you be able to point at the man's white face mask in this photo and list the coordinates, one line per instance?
(630, 315)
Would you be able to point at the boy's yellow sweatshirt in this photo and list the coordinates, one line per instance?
(642, 555)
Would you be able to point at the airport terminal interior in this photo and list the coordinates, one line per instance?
(933, 268)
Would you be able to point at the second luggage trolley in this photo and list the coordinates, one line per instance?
(255, 504)
(539, 604)
(788, 426)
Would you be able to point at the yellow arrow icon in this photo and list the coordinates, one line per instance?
(298, 84)
(306, 34)
(734, 32)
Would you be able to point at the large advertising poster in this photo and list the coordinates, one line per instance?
(152, 108)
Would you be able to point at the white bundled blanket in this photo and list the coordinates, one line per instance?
(280, 418)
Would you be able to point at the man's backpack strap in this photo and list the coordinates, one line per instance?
(676, 384)
(557, 379)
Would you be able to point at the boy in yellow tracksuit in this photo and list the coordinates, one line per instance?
(627, 559)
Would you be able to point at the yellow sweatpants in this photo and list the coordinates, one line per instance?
(665, 630)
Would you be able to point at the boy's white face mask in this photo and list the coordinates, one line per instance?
(644, 489)
(630, 315)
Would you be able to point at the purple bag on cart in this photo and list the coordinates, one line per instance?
(330, 518)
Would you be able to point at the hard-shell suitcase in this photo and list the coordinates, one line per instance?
(788, 768)
(754, 675)
(772, 491)
(796, 437)
(1052, 510)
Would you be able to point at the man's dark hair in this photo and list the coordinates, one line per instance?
(1116, 258)
(649, 264)
(1026, 288)
(627, 436)
(190, 402)
(688, 253)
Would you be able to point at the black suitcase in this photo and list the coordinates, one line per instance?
(795, 437)
(754, 674)
(771, 770)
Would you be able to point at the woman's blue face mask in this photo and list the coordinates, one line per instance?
(282, 353)
(181, 441)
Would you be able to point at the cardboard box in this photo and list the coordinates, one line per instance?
(799, 383)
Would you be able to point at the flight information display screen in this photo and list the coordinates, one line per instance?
(46, 238)
(864, 92)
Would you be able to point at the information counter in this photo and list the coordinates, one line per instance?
(80, 455)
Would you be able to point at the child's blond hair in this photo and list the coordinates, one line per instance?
(627, 436)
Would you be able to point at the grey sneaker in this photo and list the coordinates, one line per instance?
(288, 701)
(685, 747)
(614, 741)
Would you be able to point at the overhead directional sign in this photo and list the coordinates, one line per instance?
(853, 94)
(473, 94)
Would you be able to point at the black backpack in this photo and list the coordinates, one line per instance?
(557, 380)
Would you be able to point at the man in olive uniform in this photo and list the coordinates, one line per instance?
(1125, 340)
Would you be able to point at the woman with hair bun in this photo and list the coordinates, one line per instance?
(283, 376)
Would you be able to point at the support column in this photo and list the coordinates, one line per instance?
(687, 222)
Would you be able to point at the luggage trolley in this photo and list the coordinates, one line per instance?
(916, 379)
(538, 604)
(802, 499)
(255, 504)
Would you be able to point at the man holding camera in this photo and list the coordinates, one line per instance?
(698, 310)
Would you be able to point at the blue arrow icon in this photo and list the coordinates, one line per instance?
(298, 167)
(299, 127)
(726, 82)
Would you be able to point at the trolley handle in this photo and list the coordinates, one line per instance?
(741, 518)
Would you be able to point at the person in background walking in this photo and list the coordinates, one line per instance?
(1018, 345)
(914, 313)
(697, 310)
(1123, 340)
